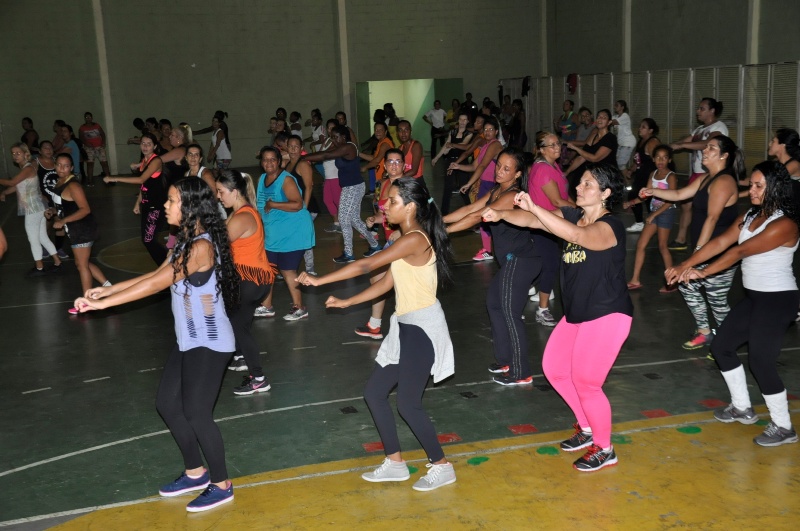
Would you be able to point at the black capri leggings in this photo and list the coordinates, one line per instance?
(760, 320)
(250, 296)
(152, 221)
(186, 395)
(548, 249)
(410, 376)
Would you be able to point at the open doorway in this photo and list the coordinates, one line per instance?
(411, 98)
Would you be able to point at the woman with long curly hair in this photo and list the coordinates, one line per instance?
(204, 285)
(764, 238)
(418, 344)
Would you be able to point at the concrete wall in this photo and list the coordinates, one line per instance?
(584, 36)
(687, 33)
(778, 40)
(478, 41)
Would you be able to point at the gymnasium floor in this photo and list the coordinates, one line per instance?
(83, 447)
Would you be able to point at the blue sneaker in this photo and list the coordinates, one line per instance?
(212, 497)
(185, 484)
(344, 259)
(373, 250)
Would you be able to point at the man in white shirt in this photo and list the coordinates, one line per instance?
(436, 117)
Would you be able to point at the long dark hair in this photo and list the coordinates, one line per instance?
(791, 140)
(735, 160)
(778, 194)
(411, 190)
(199, 210)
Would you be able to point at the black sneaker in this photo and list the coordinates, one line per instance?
(250, 385)
(372, 250)
(595, 459)
(344, 259)
(34, 272)
(677, 246)
(237, 364)
(496, 368)
(579, 440)
(505, 379)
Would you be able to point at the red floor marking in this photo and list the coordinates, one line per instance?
(373, 446)
(445, 438)
(712, 403)
(792, 397)
(656, 413)
(519, 429)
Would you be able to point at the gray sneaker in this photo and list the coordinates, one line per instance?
(731, 414)
(437, 476)
(263, 311)
(388, 471)
(296, 314)
(545, 318)
(774, 435)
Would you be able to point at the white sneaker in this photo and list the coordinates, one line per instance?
(636, 227)
(388, 471)
(532, 291)
(437, 476)
(535, 296)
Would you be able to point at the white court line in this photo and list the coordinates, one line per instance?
(290, 408)
(37, 304)
(486, 451)
(355, 342)
(97, 379)
(304, 348)
(148, 370)
(36, 390)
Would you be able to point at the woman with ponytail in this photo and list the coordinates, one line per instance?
(256, 275)
(519, 267)
(714, 196)
(418, 344)
(204, 285)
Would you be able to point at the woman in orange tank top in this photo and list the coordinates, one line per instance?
(246, 234)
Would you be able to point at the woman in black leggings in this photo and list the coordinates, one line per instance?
(418, 344)
(519, 267)
(256, 275)
(204, 286)
(764, 239)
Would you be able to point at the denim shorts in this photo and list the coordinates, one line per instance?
(666, 219)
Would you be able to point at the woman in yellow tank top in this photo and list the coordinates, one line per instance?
(418, 344)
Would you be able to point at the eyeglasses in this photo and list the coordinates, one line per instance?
(394, 162)
(553, 145)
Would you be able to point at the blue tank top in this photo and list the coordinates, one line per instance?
(349, 171)
(199, 312)
(285, 231)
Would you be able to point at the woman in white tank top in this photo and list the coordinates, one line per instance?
(765, 239)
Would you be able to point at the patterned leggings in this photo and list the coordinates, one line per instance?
(716, 287)
(350, 217)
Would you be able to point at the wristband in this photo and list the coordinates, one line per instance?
(698, 247)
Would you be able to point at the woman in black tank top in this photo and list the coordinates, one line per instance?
(714, 198)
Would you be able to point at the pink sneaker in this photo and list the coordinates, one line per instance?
(482, 255)
(73, 311)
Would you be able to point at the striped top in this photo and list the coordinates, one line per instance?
(200, 318)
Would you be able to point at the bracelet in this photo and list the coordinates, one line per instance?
(698, 247)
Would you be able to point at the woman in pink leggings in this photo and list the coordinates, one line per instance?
(597, 308)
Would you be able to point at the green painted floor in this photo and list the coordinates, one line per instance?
(79, 427)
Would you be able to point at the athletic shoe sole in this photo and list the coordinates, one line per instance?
(383, 480)
(184, 491)
(261, 389)
(207, 507)
(785, 441)
(426, 489)
(610, 462)
(576, 448)
(499, 370)
(369, 335)
(524, 381)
